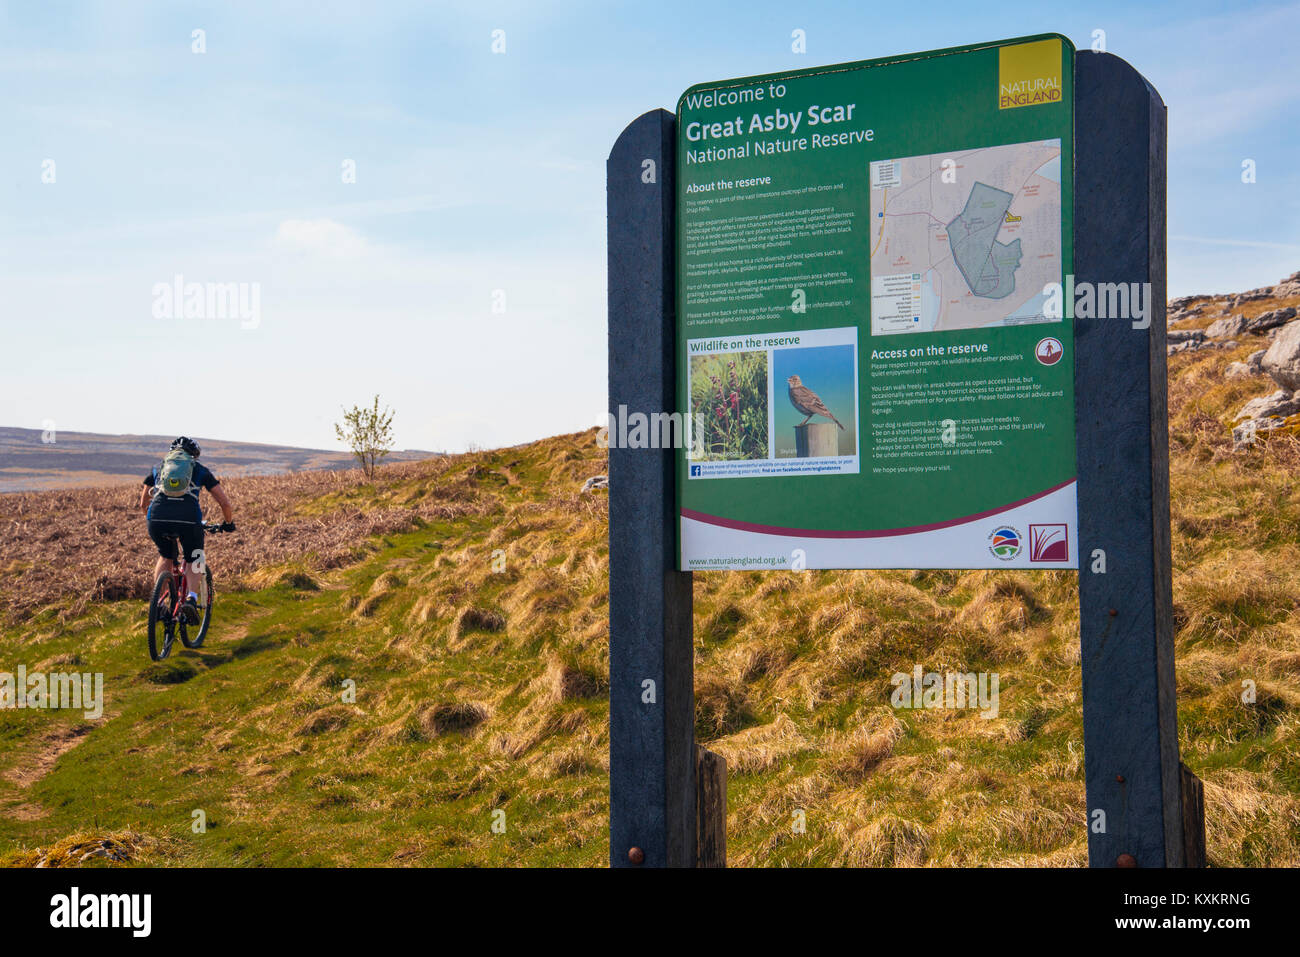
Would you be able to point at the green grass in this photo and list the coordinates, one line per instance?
(481, 689)
(252, 730)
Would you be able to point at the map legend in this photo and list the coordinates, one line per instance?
(901, 303)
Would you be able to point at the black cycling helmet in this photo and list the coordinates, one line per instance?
(189, 445)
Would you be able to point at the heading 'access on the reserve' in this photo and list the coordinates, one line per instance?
(873, 374)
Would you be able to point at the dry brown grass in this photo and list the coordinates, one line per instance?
(454, 716)
(83, 546)
(90, 849)
(760, 748)
(473, 619)
(569, 682)
(856, 753)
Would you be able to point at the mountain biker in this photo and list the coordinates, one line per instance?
(170, 501)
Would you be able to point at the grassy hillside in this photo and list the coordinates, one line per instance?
(467, 598)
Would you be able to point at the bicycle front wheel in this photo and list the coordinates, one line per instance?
(162, 611)
(197, 640)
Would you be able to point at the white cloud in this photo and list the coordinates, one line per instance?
(326, 237)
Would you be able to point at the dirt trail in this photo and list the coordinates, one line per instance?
(53, 746)
(26, 812)
(60, 741)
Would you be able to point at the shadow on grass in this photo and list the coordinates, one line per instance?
(172, 671)
(253, 644)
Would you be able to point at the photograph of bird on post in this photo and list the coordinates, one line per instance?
(812, 438)
(818, 417)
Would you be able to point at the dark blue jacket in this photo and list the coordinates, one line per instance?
(185, 509)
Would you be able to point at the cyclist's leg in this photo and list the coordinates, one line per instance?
(165, 538)
(191, 537)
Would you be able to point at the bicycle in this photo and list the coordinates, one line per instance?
(165, 612)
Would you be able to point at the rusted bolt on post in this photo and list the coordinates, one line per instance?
(1126, 860)
(636, 855)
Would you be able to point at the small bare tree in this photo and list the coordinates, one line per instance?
(368, 432)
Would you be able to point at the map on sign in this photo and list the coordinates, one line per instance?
(966, 239)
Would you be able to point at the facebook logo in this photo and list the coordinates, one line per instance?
(695, 471)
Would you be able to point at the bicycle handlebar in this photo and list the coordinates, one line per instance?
(218, 527)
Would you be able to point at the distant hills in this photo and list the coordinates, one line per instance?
(81, 459)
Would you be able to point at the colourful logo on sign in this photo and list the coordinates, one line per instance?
(1004, 543)
(1029, 74)
(1049, 351)
(1049, 543)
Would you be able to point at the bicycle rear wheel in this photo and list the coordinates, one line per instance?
(197, 640)
(162, 617)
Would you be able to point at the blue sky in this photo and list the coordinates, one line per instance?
(475, 172)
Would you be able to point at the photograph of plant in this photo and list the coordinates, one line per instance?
(729, 396)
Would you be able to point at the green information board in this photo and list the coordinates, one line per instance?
(872, 352)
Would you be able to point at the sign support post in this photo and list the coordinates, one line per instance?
(652, 814)
(1130, 715)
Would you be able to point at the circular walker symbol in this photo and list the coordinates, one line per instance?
(1049, 351)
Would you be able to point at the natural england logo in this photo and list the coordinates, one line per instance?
(1029, 74)
(952, 690)
(38, 690)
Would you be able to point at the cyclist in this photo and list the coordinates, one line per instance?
(170, 501)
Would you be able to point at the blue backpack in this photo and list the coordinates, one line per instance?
(176, 474)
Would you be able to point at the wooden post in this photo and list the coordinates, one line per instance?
(1130, 717)
(710, 808)
(651, 653)
(816, 439)
(1193, 795)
